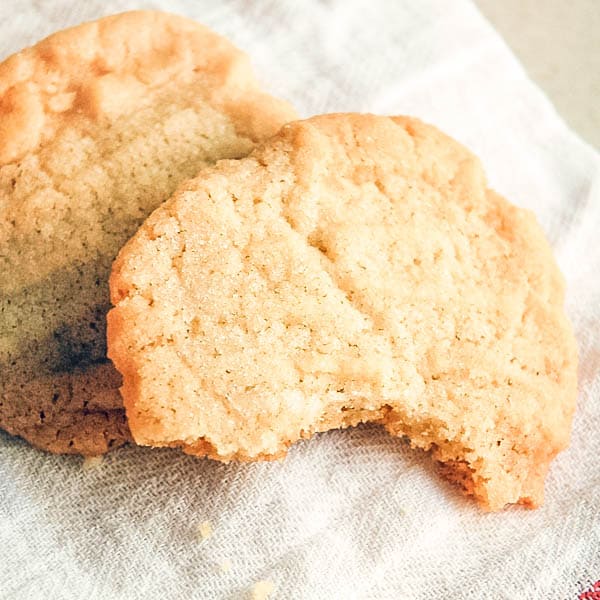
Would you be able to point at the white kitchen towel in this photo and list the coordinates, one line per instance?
(349, 514)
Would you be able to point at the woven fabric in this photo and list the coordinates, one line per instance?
(356, 513)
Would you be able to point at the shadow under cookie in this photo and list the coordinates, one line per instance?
(59, 391)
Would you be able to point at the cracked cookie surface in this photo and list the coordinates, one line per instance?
(353, 268)
(98, 126)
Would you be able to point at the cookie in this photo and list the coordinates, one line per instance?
(98, 126)
(353, 268)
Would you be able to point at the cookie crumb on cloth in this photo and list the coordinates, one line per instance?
(225, 565)
(205, 529)
(262, 590)
(91, 462)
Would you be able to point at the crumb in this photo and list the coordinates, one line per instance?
(205, 529)
(225, 565)
(262, 590)
(91, 462)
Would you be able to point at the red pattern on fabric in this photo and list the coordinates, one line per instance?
(592, 594)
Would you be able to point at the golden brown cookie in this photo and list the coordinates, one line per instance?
(353, 268)
(98, 126)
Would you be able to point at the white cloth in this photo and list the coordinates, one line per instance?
(351, 514)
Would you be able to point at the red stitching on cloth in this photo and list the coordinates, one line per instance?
(592, 594)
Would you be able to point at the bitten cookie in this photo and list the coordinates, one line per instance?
(98, 126)
(353, 268)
